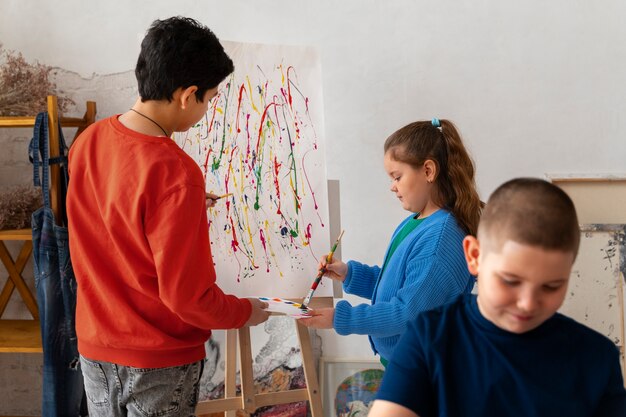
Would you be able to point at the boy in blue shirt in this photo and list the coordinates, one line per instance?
(506, 351)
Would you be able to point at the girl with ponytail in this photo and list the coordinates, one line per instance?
(432, 175)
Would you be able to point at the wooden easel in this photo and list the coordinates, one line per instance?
(249, 400)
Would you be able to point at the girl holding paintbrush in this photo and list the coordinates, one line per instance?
(432, 176)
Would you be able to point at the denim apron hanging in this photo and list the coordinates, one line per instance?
(63, 391)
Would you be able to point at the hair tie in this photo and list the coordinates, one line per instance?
(435, 122)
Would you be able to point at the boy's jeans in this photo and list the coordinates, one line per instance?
(115, 390)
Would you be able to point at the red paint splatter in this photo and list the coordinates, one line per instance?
(276, 183)
(262, 237)
(226, 179)
(210, 127)
(234, 243)
(241, 90)
(248, 139)
(289, 86)
(307, 233)
(206, 162)
(306, 176)
(261, 125)
(295, 119)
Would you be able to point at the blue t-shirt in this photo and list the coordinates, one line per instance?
(454, 362)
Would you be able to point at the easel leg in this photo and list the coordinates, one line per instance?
(310, 374)
(248, 390)
(230, 374)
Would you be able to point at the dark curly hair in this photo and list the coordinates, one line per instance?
(177, 53)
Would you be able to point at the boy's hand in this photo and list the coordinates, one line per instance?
(259, 314)
(211, 199)
(335, 269)
(321, 318)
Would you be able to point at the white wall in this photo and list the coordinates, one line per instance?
(535, 86)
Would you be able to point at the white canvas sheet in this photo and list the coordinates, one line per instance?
(262, 140)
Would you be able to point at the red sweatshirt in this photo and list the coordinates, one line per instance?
(140, 250)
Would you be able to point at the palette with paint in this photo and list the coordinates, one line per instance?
(287, 307)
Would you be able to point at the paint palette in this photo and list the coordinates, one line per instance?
(289, 308)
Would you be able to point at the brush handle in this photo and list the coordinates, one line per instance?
(220, 196)
(316, 282)
(307, 299)
(319, 276)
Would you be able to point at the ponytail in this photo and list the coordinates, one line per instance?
(440, 142)
(458, 190)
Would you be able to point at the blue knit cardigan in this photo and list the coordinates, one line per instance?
(428, 269)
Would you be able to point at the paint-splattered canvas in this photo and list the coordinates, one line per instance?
(349, 387)
(596, 291)
(262, 140)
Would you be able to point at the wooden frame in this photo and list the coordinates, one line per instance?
(333, 371)
(599, 199)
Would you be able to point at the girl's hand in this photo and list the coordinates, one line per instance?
(322, 318)
(335, 269)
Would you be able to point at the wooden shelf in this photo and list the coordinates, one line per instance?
(20, 336)
(29, 121)
(18, 234)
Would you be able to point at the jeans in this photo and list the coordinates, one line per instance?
(56, 297)
(63, 393)
(116, 390)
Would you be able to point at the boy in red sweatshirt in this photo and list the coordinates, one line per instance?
(147, 298)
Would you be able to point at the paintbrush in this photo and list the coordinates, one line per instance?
(320, 274)
(221, 196)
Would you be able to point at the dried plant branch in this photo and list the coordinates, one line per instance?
(17, 205)
(24, 87)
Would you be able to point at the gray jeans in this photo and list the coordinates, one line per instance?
(115, 390)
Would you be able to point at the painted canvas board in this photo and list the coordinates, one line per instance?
(349, 386)
(596, 288)
(262, 140)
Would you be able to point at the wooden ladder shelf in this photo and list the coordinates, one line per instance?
(25, 335)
